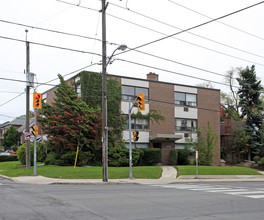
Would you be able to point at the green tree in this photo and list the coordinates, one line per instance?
(70, 122)
(91, 93)
(205, 144)
(230, 101)
(11, 137)
(251, 109)
(238, 140)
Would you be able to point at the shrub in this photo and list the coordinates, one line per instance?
(51, 159)
(68, 159)
(173, 157)
(41, 151)
(256, 159)
(152, 156)
(4, 158)
(261, 162)
(14, 148)
(21, 154)
(183, 157)
(118, 156)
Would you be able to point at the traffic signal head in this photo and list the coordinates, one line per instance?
(135, 134)
(37, 100)
(141, 102)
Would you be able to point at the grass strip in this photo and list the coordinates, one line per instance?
(12, 169)
(215, 170)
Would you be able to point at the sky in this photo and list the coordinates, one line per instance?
(202, 54)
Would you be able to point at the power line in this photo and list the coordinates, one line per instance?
(194, 27)
(7, 116)
(111, 43)
(54, 31)
(182, 31)
(52, 46)
(169, 25)
(230, 26)
(169, 71)
(12, 99)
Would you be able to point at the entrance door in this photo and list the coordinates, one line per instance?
(157, 145)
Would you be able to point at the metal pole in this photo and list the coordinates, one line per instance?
(196, 158)
(130, 147)
(35, 144)
(104, 100)
(27, 104)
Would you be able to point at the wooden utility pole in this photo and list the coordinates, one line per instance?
(104, 99)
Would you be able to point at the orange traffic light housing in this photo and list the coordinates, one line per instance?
(37, 100)
(141, 101)
(135, 134)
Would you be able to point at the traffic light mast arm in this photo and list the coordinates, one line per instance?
(133, 103)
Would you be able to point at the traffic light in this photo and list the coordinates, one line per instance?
(141, 102)
(37, 100)
(35, 130)
(135, 134)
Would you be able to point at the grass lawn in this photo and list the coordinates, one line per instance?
(12, 169)
(215, 170)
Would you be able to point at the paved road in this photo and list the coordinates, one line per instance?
(129, 201)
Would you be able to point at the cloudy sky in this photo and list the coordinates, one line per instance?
(202, 54)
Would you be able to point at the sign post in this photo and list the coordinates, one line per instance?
(196, 157)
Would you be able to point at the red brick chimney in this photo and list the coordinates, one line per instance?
(153, 76)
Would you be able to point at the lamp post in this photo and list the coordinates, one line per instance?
(104, 114)
(104, 95)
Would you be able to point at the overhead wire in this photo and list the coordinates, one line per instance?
(111, 43)
(54, 31)
(52, 46)
(228, 25)
(194, 27)
(172, 26)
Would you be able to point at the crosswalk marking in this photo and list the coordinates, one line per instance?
(236, 191)
(246, 192)
(255, 196)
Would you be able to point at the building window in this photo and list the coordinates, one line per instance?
(187, 99)
(138, 145)
(138, 124)
(183, 124)
(133, 92)
(44, 97)
(79, 91)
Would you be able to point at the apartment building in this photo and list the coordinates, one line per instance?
(185, 109)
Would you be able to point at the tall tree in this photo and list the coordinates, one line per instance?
(230, 101)
(70, 122)
(91, 87)
(251, 108)
(11, 137)
(205, 143)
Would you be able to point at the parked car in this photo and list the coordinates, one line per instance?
(5, 153)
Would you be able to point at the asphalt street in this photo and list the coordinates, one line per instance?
(131, 201)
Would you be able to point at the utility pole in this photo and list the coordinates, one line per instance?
(27, 103)
(104, 99)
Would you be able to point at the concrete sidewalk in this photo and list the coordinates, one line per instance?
(168, 177)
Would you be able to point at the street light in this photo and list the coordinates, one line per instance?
(122, 47)
(104, 110)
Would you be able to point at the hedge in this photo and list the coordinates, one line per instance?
(173, 157)
(4, 158)
(151, 157)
